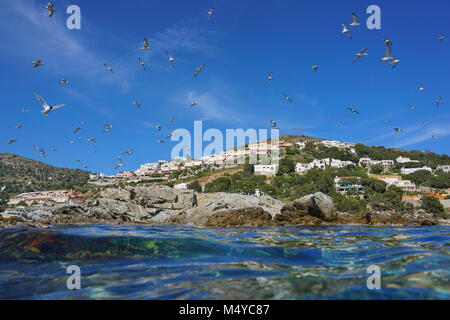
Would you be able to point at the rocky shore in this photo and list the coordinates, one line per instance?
(164, 205)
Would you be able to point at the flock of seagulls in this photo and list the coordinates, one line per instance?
(387, 58)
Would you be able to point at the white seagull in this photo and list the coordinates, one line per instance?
(198, 70)
(50, 7)
(287, 98)
(438, 101)
(355, 22)
(47, 108)
(36, 63)
(421, 88)
(210, 13)
(145, 46)
(194, 103)
(109, 68)
(142, 63)
(270, 78)
(119, 164)
(64, 81)
(346, 32)
(171, 59)
(137, 104)
(387, 53)
(441, 37)
(315, 67)
(394, 62)
(360, 54)
(26, 110)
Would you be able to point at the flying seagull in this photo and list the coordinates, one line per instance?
(355, 22)
(119, 164)
(287, 98)
(315, 67)
(198, 70)
(346, 32)
(386, 121)
(53, 149)
(26, 110)
(107, 128)
(270, 78)
(298, 130)
(109, 68)
(172, 119)
(171, 59)
(421, 88)
(142, 63)
(64, 81)
(128, 152)
(50, 7)
(158, 127)
(19, 126)
(11, 141)
(398, 130)
(360, 54)
(434, 137)
(47, 108)
(394, 62)
(36, 63)
(387, 53)
(412, 107)
(145, 46)
(424, 123)
(76, 129)
(352, 110)
(160, 141)
(441, 37)
(194, 103)
(137, 104)
(210, 13)
(438, 101)
(91, 139)
(170, 134)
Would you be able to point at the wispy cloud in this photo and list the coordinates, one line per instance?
(424, 136)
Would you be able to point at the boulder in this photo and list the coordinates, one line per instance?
(116, 194)
(318, 205)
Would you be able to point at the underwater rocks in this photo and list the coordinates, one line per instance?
(165, 205)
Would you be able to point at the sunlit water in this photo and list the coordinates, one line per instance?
(173, 262)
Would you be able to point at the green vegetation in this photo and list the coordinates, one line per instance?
(20, 175)
(432, 205)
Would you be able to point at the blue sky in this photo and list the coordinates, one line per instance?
(242, 43)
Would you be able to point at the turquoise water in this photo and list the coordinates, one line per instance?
(173, 262)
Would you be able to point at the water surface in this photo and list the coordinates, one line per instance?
(177, 262)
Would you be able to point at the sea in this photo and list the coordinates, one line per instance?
(184, 262)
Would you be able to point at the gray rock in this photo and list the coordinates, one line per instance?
(116, 194)
(318, 205)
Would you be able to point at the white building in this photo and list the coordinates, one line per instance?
(302, 168)
(412, 170)
(266, 170)
(181, 186)
(367, 163)
(343, 186)
(321, 164)
(405, 160)
(445, 168)
(405, 185)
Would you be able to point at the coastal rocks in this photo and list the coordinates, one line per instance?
(317, 205)
(254, 217)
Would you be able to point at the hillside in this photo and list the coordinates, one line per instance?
(19, 174)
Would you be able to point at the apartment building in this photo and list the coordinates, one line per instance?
(412, 170)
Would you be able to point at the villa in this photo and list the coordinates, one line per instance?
(266, 170)
(412, 170)
(344, 184)
(445, 168)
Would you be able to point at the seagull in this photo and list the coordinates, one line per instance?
(270, 78)
(36, 63)
(119, 164)
(109, 68)
(64, 81)
(26, 110)
(36, 148)
(53, 149)
(107, 128)
(47, 108)
(360, 54)
(71, 142)
(76, 129)
(441, 37)
(386, 121)
(412, 107)
(434, 137)
(42, 154)
(160, 141)
(387, 53)
(346, 32)
(398, 130)
(128, 152)
(19, 126)
(297, 130)
(171, 134)
(172, 119)
(394, 62)
(137, 104)
(421, 88)
(11, 141)
(50, 8)
(315, 67)
(146, 46)
(92, 139)
(438, 101)
(80, 138)
(142, 63)
(158, 127)
(210, 13)
(171, 59)
(287, 98)
(424, 123)
(352, 110)
(194, 103)
(198, 70)
(355, 22)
